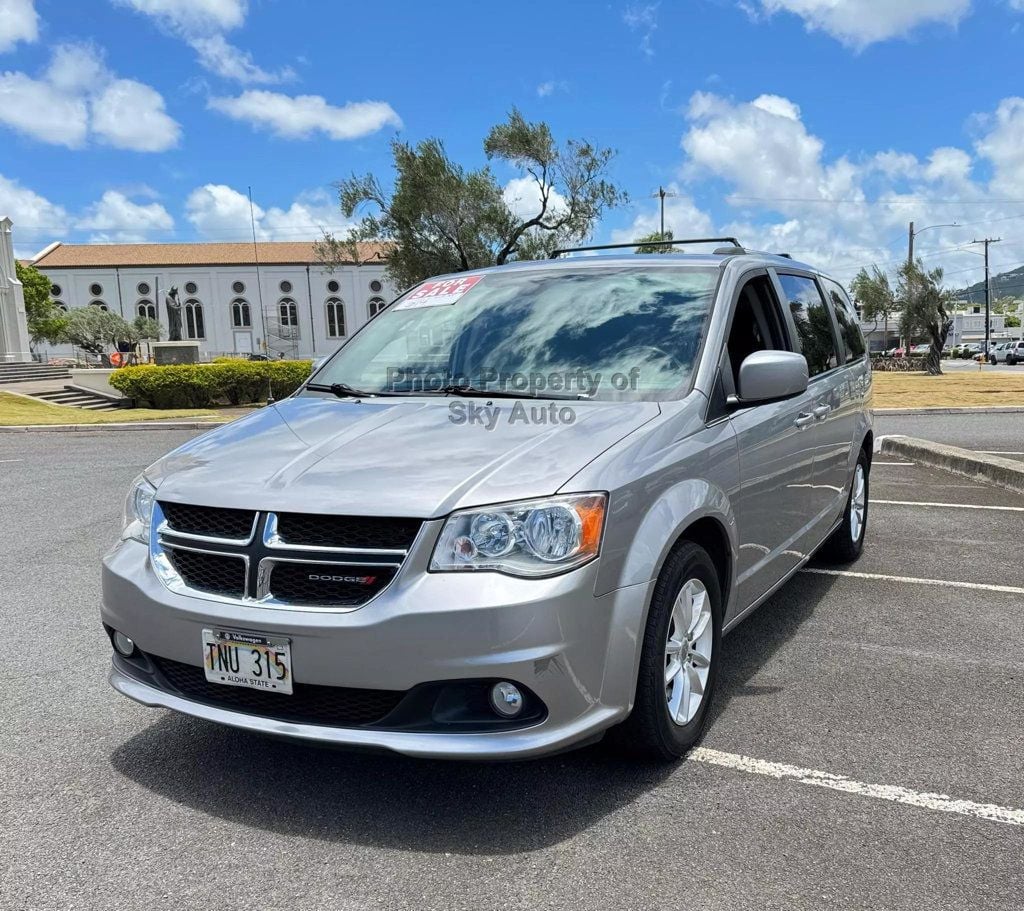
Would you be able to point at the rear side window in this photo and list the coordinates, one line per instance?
(846, 317)
(813, 323)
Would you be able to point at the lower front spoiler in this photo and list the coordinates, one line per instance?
(523, 744)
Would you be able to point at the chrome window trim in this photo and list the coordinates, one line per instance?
(272, 539)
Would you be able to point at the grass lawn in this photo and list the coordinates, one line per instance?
(19, 410)
(951, 390)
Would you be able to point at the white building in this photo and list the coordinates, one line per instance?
(236, 298)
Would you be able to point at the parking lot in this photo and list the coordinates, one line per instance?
(866, 750)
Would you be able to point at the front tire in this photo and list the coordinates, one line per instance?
(679, 661)
(847, 541)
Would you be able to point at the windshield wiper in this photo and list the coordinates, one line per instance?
(344, 391)
(474, 392)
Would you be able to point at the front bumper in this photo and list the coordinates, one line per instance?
(578, 653)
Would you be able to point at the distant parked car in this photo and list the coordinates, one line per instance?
(920, 350)
(1014, 353)
(969, 349)
(995, 352)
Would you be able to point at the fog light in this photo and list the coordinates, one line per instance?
(506, 699)
(123, 644)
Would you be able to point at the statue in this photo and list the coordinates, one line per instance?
(173, 316)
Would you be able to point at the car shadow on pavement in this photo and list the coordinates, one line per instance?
(395, 802)
(749, 649)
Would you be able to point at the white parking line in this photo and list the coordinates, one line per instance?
(946, 505)
(944, 583)
(785, 772)
(11, 460)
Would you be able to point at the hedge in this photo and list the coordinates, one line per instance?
(236, 382)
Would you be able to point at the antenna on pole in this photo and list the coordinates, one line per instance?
(259, 282)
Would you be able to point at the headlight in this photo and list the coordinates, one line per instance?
(138, 510)
(530, 538)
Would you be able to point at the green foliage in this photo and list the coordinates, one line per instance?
(647, 245)
(442, 218)
(144, 328)
(46, 321)
(230, 381)
(1012, 322)
(874, 294)
(927, 309)
(93, 329)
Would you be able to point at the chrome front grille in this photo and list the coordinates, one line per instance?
(319, 563)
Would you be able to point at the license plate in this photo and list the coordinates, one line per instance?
(247, 659)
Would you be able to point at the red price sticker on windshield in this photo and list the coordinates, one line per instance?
(439, 293)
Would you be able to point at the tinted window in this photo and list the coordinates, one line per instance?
(846, 316)
(813, 323)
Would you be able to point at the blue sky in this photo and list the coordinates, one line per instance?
(817, 126)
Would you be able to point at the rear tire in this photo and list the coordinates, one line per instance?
(847, 541)
(680, 656)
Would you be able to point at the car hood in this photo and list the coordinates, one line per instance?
(410, 457)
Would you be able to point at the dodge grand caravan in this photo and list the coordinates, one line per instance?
(517, 511)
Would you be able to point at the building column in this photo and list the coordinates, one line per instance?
(14, 344)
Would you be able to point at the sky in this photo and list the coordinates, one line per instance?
(814, 127)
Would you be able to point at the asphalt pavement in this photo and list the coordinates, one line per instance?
(997, 431)
(910, 690)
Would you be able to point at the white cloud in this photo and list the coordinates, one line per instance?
(33, 215)
(193, 15)
(78, 97)
(643, 19)
(787, 193)
(18, 22)
(301, 116)
(522, 196)
(858, 23)
(229, 62)
(130, 115)
(219, 212)
(551, 86)
(201, 24)
(118, 219)
(682, 217)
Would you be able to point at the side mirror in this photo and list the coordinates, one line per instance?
(767, 376)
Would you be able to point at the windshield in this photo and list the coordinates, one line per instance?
(623, 332)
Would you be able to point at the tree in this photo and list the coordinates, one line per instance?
(143, 328)
(93, 329)
(441, 217)
(647, 243)
(927, 309)
(1012, 322)
(45, 319)
(876, 298)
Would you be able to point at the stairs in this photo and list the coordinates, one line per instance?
(78, 398)
(28, 373)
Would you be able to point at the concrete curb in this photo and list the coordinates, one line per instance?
(977, 466)
(94, 428)
(970, 409)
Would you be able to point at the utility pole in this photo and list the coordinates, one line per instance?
(661, 195)
(988, 241)
(910, 244)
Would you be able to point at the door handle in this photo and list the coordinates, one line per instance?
(804, 419)
(821, 412)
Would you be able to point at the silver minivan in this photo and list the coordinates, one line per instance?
(516, 512)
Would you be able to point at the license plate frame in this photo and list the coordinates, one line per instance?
(254, 661)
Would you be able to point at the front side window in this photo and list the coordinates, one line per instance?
(609, 332)
(846, 316)
(813, 322)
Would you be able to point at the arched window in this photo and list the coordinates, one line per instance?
(289, 312)
(99, 305)
(194, 327)
(241, 316)
(335, 317)
(146, 309)
(375, 305)
(60, 305)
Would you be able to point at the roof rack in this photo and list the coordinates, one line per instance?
(651, 243)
